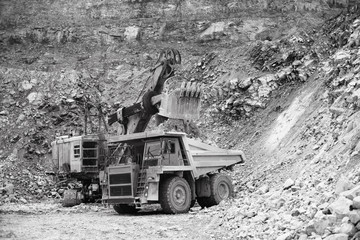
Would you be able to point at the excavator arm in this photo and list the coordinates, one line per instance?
(136, 117)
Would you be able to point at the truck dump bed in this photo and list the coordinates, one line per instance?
(208, 158)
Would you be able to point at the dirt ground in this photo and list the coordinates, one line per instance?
(97, 222)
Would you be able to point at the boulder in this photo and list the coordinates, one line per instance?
(245, 83)
(348, 229)
(303, 237)
(264, 189)
(264, 91)
(9, 188)
(310, 228)
(319, 225)
(343, 184)
(35, 98)
(26, 85)
(341, 207)
(288, 183)
(352, 193)
(356, 202)
(354, 216)
(234, 83)
(341, 55)
(339, 236)
(132, 33)
(213, 31)
(285, 236)
(23, 200)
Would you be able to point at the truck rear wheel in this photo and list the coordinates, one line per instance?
(221, 188)
(124, 208)
(175, 195)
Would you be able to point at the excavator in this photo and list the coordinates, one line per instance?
(136, 167)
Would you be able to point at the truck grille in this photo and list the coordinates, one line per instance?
(121, 190)
(120, 178)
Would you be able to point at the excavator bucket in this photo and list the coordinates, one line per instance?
(182, 102)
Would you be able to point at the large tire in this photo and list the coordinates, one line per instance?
(125, 209)
(175, 195)
(221, 188)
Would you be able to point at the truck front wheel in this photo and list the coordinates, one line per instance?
(175, 195)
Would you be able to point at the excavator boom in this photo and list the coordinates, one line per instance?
(182, 103)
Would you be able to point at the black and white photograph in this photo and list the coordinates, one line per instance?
(180, 119)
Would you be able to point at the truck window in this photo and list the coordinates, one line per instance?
(76, 151)
(153, 148)
(170, 147)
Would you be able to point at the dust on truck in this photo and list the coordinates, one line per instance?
(166, 168)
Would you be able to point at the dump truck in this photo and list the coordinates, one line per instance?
(166, 168)
(135, 168)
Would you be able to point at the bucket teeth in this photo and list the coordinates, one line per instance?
(183, 89)
(188, 89)
(198, 91)
(193, 90)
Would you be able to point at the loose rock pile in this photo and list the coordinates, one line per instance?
(307, 208)
(24, 182)
(317, 203)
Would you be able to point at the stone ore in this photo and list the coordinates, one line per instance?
(351, 194)
(356, 202)
(288, 183)
(343, 185)
(339, 236)
(341, 207)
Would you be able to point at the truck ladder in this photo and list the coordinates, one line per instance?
(141, 182)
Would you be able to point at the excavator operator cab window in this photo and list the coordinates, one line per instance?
(76, 151)
(90, 153)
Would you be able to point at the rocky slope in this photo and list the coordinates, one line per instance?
(280, 82)
(305, 149)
